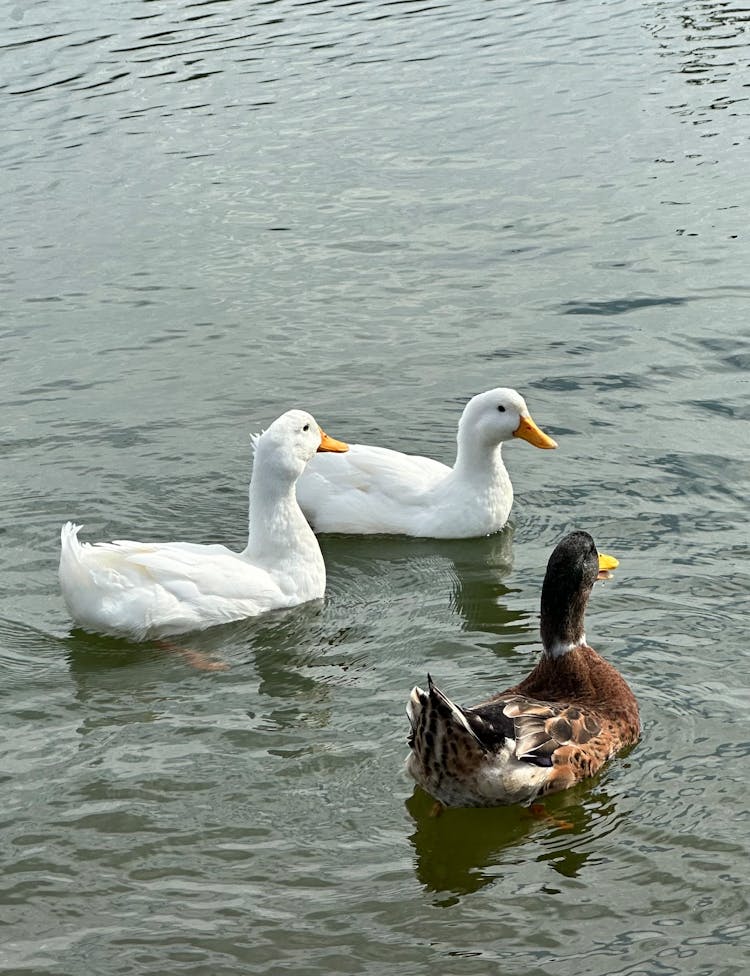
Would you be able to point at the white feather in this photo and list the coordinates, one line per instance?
(146, 590)
(377, 490)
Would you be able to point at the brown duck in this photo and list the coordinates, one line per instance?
(558, 726)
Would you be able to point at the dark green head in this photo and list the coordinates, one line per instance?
(572, 570)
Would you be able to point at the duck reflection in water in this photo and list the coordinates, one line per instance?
(280, 645)
(463, 576)
(478, 593)
(458, 851)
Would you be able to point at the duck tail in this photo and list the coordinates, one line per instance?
(70, 546)
(254, 440)
(72, 572)
(445, 751)
(432, 712)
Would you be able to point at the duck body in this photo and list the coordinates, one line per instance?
(152, 590)
(376, 490)
(558, 726)
(383, 491)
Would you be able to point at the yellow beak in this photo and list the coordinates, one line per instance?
(606, 565)
(330, 444)
(527, 430)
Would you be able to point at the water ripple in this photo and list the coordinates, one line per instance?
(214, 210)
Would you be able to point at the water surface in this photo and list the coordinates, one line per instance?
(214, 211)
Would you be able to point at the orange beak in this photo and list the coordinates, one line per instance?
(330, 444)
(606, 565)
(527, 430)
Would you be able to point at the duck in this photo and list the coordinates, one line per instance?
(373, 490)
(558, 726)
(150, 590)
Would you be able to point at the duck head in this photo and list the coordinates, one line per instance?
(573, 568)
(290, 441)
(498, 415)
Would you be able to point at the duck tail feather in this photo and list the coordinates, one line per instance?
(254, 440)
(69, 543)
(449, 709)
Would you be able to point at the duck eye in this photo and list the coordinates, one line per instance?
(306, 427)
(501, 408)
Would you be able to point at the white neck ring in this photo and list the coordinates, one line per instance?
(559, 648)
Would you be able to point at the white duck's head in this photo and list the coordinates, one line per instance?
(497, 415)
(287, 445)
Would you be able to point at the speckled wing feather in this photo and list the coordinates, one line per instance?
(467, 756)
(539, 728)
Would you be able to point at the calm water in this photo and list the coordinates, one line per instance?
(214, 211)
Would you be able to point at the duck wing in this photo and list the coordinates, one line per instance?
(538, 728)
(369, 469)
(468, 756)
(531, 729)
(191, 571)
(368, 489)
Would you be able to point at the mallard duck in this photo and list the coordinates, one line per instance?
(151, 590)
(558, 726)
(374, 490)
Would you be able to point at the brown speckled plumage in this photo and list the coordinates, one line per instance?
(571, 714)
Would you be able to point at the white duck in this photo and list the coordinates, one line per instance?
(373, 489)
(150, 590)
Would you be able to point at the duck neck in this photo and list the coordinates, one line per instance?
(478, 463)
(562, 618)
(278, 532)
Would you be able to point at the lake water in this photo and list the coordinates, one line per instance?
(214, 211)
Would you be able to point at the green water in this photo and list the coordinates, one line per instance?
(216, 211)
